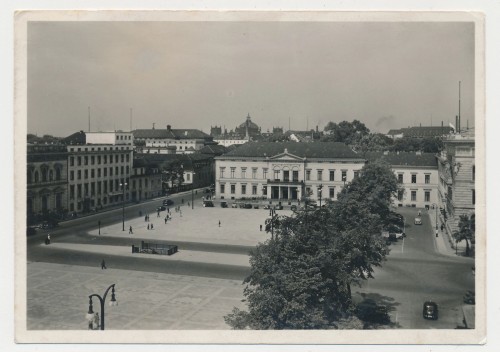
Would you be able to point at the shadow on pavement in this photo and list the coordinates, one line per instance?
(374, 310)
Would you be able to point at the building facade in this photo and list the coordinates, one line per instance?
(98, 174)
(457, 177)
(47, 177)
(145, 181)
(286, 171)
(170, 141)
(417, 173)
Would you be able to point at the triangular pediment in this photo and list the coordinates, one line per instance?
(286, 156)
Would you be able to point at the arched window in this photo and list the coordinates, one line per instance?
(44, 174)
(51, 175)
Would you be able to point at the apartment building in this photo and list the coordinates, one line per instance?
(99, 171)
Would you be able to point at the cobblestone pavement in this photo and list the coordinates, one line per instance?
(58, 299)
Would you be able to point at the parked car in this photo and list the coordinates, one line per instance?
(418, 220)
(234, 205)
(430, 310)
(49, 224)
(293, 208)
(247, 206)
(168, 202)
(223, 204)
(161, 208)
(398, 231)
(279, 207)
(267, 206)
(470, 297)
(208, 204)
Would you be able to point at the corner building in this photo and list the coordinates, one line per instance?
(286, 171)
(98, 169)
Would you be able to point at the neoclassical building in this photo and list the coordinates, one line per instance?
(47, 177)
(417, 173)
(457, 177)
(170, 140)
(286, 170)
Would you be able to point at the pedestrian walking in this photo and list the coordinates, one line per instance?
(442, 227)
(148, 226)
(130, 232)
(168, 210)
(151, 226)
(189, 204)
(166, 219)
(103, 265)
(95, 323)
(145, 218)
(261, 227)
(219, 223)
(158, 215)
(48, 239)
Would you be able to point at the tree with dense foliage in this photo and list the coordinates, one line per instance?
(373, 142)
(173, 173)
(466, 231)
(345, 132)
(302, 277)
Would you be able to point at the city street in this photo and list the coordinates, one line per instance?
(416, 270)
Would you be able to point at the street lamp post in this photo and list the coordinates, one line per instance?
(99, 223)
(320, 191)
(123, 185)
(192, 191)
(102, 300)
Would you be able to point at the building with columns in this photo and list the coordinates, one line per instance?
(457, 177)
(287, 171)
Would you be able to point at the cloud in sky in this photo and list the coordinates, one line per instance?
(198, 74)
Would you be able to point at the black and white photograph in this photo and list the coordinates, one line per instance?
(195, 177)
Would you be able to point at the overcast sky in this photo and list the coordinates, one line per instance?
(201, 74)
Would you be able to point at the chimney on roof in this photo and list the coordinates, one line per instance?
(169, 128)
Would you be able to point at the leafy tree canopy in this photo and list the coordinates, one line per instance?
(302, 277)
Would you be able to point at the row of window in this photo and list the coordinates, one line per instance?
(413, 196)
(93, 149)
(102, 187)
(427, 178)
(331, 190)
(118, 171)
(45, 175)
(93, 159)
(286, 175)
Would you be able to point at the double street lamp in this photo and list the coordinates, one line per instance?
(123, 185)
(91, 315)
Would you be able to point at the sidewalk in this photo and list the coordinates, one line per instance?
(57, 299)
(181, 256)
(443, 241)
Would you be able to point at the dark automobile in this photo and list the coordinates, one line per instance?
(161, 208)
(430, 310)
(279, 207)
(293, 208)
(208, 204)
(168, 202)
(247, 206)
(223, 204)
(470, 297)
(49, 224)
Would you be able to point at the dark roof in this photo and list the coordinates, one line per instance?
(422, 131)
(427, 131)
(321, 150)
(170, 134)
(404, 158)
(393, 132)
(213, 149)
